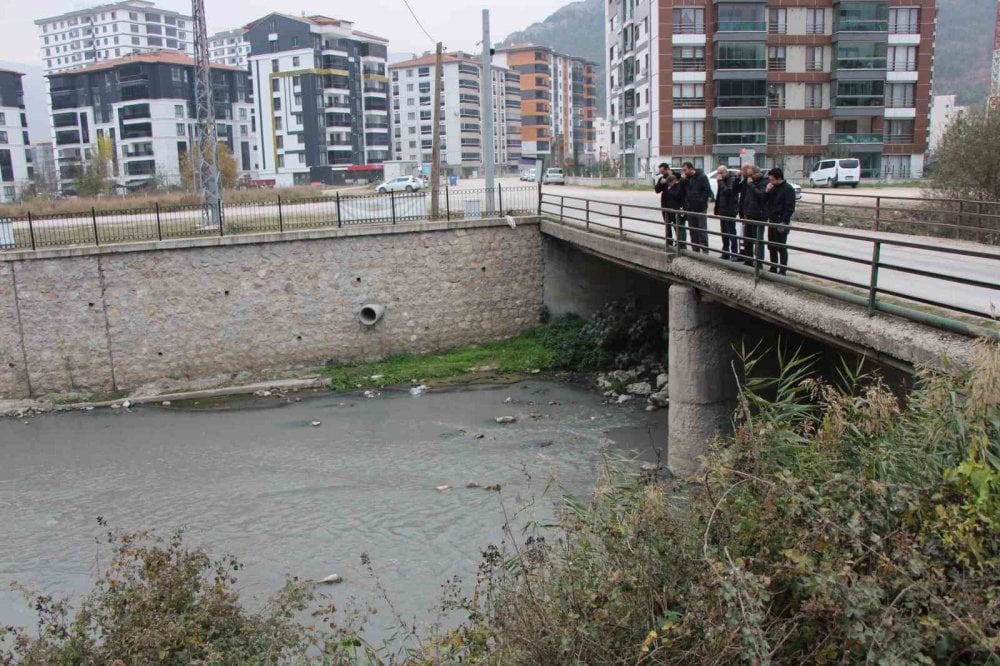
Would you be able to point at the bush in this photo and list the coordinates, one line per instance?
(836, 526)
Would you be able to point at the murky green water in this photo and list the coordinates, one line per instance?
(288, 498)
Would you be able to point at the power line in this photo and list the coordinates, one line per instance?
(419, 24)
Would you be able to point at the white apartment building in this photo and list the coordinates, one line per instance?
(944, 111)
(602, 145)
(229, 48)
(16, 169)
(87, 36)
(144, 105)
(462, 136)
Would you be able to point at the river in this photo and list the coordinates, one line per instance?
(255, 479)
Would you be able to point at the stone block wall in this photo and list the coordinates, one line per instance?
(179, 314)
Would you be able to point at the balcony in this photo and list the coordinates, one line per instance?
(855, 138)
(741, 26)
(741, 63)
(689, 28)
(863, 25)
(899, 137)
(689, 102)
(904, 28)
(689, 66)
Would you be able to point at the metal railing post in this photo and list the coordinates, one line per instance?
(540, 202)
(338, 211)
(758, 251)
(447, 203)
(873, 285)
(392, 205)
(588, 214)
(159, 228)
(822, 208)
(621, 223)
(281, 217)
(500, 197)
(31, 230)
(562, 202)
(878, 212)
(222, 229)
(961, 218)
(93, 217)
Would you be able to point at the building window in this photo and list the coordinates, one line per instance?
(3, 137)
(689, 132)
(860, 93)
(814, 95)
(777, 20)
(276, 103)
(776, 58)
(776, 132)
(776, 95)
(179, 111)
(295, 61)
(902, 58)
(689, 95)
(861, 55)
(740, 131)
(3, 118)
(814, 58)
(899, 131)
(279, 142)
(281, 161)
(689, 20)
(813, 132)
(278, 123)
(740, 55)
(181, 129)
(904, 20)
(734, 17)
(689, 58)
(899, 95)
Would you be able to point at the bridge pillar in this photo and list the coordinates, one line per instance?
(702, 384)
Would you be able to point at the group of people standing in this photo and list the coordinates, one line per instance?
(749, 196)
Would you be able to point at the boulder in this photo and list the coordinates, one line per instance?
(639, 388)
(622, 399)
(661, 381)
(660, 398)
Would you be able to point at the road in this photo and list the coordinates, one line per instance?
(806, 242)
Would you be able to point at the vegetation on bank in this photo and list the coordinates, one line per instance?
(619, 335)
(839, 524)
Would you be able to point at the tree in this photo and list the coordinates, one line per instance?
(228, 171)
(92, 178)
(962, 163)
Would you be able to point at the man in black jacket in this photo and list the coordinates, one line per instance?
(697, 192)
(753, 205)
(668, 188)
(780, 207)
(727, 205)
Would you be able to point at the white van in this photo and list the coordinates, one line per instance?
(835, 173)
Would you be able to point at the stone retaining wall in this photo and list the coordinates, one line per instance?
(181, 314)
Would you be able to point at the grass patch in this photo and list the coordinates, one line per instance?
(514, 356)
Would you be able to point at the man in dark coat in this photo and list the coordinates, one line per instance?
(727, 207)
(668, 187)
(753, 206)
(697, 193)
(780, 207)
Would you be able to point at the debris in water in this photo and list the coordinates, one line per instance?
(506, 419)
(442, 489)
(417, 390)
(316, 424)
(332, 579)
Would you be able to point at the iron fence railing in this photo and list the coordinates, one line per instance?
(952, 287)
(156, 222)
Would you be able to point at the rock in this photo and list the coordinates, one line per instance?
(640, 388)
(316, 424)
(114, 406)
(479, 436)
(417, 390)
(442, 489)
(651, 408)
(472, 484)
(165, 403)
(546, 444)
(535, 415)
(506, 419)
(332, 579)
(266, 394)
(508, 400)
(371, 394)
(535, 371)
(661, 380)
(650, 467)
(660, 399)
(494, 488)
(89, 409)
(376, 378)
(622, 399)
(553, 403)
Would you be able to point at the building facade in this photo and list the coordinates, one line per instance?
(323, 106)
(461, 113)
(16, 169)
(230, 48)
(558, 105)
(944, 111)
(43, 158)
(104, 32)
(142, 109)
(779, 82)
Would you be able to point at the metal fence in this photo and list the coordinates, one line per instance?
(164, 222)
(951, 287)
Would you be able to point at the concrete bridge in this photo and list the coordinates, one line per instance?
(192, 313)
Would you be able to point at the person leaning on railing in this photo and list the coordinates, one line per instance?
(668, 188)
(780, 208)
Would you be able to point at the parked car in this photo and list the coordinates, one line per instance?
(554, 176)
(401, 184)
(528, 175)
(835, 173)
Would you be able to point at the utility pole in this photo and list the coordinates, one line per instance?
(206, 137)
(436, 133)
(489, 143)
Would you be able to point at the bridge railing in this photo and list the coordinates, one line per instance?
(951, 286)
(155, 221)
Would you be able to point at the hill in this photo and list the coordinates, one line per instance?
(962, 57)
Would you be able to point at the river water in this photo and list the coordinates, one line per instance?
(256, 480)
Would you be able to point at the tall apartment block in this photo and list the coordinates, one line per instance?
(230, 48)
(461, 113)
(786, 81)
(144, 106)
(323, 101)
(558, 104)
(16, 169)
(87, 36)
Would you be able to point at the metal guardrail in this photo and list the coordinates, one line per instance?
(861, 280)
(165, 222)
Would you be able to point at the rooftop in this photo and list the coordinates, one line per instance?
(514, 48)
(10, 71)
(166, 57)
(320, 20)
(125, 4)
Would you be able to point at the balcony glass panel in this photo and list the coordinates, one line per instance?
(741, 55)
(862, 17)
(855, 138)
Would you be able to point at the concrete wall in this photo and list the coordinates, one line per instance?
(183, 313)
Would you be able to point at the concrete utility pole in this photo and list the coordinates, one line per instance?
(436, 133)
(489, 144)
(206, 137)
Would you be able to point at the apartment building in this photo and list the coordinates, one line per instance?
(781, 82)
(461, 113)
(104, 32)
(16, 169)
(43, 158)
(323, 106)
(230, 48)
(558, 104)
(144, 106)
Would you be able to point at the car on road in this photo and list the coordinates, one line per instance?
(554, 176)
(401, 184)
(835, 173)
(528, 175)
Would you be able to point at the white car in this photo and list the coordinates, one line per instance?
(554, 177)
(401, 184)
(834, 173)
(528, 175)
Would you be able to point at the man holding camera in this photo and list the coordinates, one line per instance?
(727, 204)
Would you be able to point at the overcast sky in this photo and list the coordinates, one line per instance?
(457, 23)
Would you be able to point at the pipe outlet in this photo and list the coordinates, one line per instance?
(371, 313)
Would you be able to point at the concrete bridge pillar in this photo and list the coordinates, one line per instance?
(702, 384)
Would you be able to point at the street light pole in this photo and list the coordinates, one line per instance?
(489, 144)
